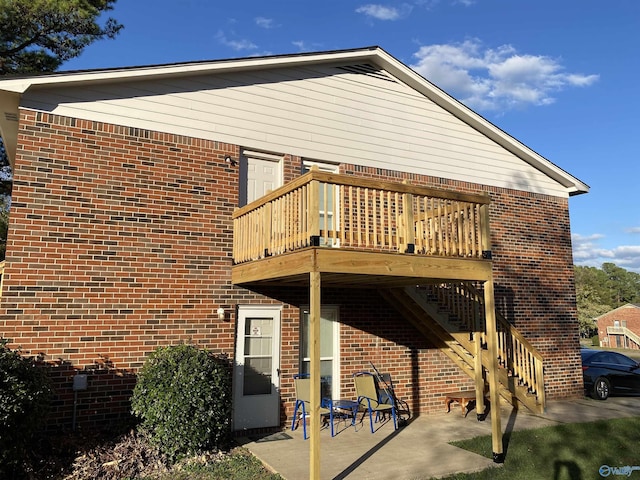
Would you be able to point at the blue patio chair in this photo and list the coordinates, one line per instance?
(303, 398)
(370, 399)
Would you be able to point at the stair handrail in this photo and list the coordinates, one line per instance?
(633, 336)
(515, 352)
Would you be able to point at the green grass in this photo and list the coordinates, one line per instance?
(571, 451)
(240, 465)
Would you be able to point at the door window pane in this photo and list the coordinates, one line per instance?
(258, 356)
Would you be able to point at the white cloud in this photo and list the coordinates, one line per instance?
(588, 252)
(265, 22)
(241, 44)
(382, 12)
(301, 45)
(495, 79)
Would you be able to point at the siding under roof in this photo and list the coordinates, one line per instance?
(356, 106)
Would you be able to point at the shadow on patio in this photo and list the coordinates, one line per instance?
(421, 449)
(418, 450)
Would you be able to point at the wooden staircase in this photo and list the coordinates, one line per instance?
(450, 315)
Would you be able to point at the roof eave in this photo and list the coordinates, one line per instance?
(22, 84)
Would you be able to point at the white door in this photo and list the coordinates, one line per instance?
(329, 350)
(256, 382)
(260, 173)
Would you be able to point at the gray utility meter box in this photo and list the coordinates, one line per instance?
(80, 382)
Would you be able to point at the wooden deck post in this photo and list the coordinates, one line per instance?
(479, 373)
(408, 246)
(314, 353)
(267, 220)
(492, 340)
(313, 211)
(494, 384)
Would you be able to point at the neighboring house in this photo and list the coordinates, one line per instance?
(234, 203)
(620, 328)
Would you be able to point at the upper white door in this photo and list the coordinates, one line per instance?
(256, 382)
(260, 173)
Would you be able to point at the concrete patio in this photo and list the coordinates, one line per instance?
(420, 450)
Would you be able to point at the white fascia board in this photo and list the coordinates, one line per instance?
(22, 84)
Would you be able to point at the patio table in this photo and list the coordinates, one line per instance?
(342, 408)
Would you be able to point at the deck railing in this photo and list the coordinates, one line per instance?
(515, 353)
(625, 332)
(343, 211)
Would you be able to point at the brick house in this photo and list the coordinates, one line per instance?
(252, 206)
(620, 328)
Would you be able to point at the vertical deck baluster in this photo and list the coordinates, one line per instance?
(366, 218)
(304, 214)
(374, 217)
(382, 212)
(358, 217)
(465, 228)
(298, 215)
(389, 222)
(287, 222)
(351, 216)
(459, 235)
(341, 203)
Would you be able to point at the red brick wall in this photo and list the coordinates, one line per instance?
(120, 241)
(627, 313)
(371, 331)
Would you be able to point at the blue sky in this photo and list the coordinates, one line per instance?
(558, 75)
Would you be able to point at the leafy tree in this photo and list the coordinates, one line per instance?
(5, 172)
(624, 285)
(4, 226)
(589, 308)
(38, 36)
(601, 290)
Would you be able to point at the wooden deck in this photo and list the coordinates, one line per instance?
(342, 211)
(339, 230)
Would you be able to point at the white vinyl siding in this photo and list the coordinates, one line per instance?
(318, 112)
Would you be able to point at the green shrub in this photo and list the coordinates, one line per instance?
(595, 341)
(25, 393)
(183, 399)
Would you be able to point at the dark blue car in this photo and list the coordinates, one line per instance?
(609, 373)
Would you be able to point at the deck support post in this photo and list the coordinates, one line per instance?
(494, 384)
(313, 211)
(409, 229)
(479, 373)
(314, 353)
(492, 340)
